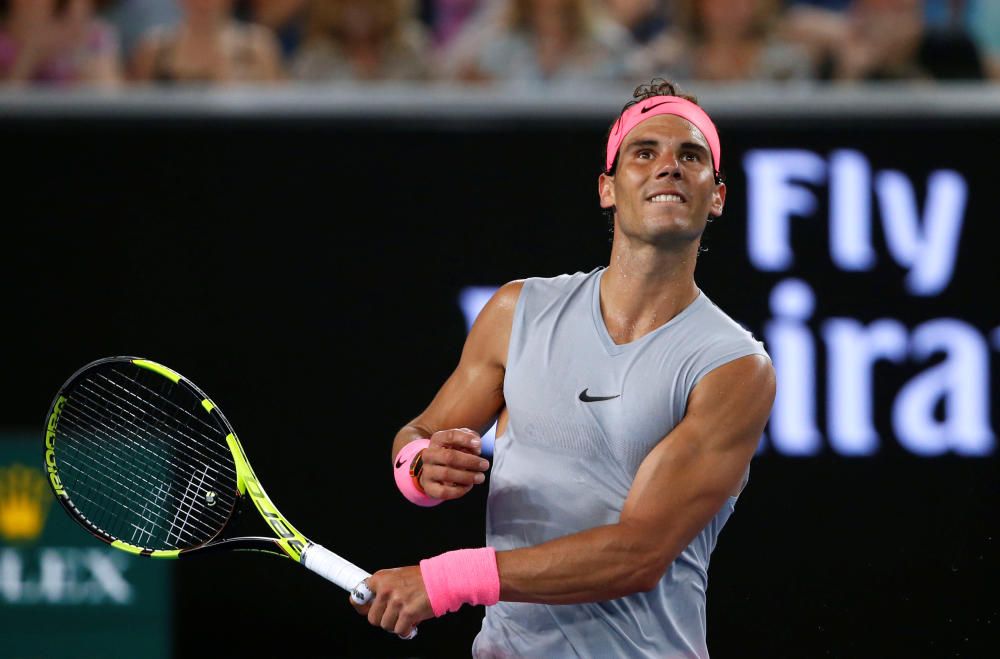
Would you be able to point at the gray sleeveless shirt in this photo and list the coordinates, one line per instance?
(583, 414)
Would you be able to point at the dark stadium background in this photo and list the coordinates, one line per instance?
(304, 271)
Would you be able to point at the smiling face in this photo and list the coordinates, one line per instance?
(663, 190)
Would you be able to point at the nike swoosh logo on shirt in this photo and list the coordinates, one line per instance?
(585, 397)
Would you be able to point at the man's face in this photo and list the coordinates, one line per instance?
(664, 187)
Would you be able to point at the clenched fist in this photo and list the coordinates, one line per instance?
(451, 464)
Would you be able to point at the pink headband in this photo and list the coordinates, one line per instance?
(657, 105)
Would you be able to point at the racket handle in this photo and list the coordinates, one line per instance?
(342, 572)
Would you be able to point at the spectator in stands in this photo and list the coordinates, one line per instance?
(208, 46)
(985, 26)
(935, 11)
(446, 18)
(452, 58)
(886, 40)
(285, 18)
(832, 5)
(57, 42)
(362, 40)
(975, 19)
(133, 19)
(725, 40)
(546, 41)
(644, 19)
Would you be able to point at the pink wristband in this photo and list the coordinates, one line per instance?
(404, 477)
(465, 576)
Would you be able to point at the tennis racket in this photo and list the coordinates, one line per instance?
(145, 461)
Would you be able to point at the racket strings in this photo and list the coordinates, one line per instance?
(172, 428)
(143, 440)
(177, 525)
(132, 441)
(142, 464)
(120, 475)
(101, 523)
(150, 422)
(222, 457)
(139, 416)
(95, 472)
(110, 465)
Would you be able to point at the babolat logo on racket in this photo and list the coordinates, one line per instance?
(273, 519)
(50, 442)
(279, 527)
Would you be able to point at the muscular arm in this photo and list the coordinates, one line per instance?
(679, 487)
(472, 396)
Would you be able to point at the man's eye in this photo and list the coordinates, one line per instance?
(644, 154)
(690, 156)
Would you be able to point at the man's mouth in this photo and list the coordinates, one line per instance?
(667, 198)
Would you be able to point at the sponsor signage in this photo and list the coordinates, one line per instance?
(64, 593)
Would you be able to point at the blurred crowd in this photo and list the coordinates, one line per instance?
(220, 42)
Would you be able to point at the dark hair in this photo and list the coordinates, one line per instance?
(656, 87)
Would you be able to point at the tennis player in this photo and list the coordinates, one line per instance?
(629, 407)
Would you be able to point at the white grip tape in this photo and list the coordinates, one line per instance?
(342, 572)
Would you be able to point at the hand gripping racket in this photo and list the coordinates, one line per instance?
(145, 461)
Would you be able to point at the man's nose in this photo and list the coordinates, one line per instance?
(668, 167)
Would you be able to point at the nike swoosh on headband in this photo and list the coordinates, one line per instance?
(650, 107)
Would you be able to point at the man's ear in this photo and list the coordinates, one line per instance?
(606, 190)
(718, 200)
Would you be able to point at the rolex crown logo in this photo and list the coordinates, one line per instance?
(24, 503)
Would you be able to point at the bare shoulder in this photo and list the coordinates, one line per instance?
(505, 299)
(490, 333)
(498, 313)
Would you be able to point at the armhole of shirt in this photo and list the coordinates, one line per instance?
(725, 359)
(517, 322)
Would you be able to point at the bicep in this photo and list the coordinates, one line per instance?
(473, 395)
(686, 478)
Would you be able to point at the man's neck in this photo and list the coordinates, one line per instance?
(644, 288)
